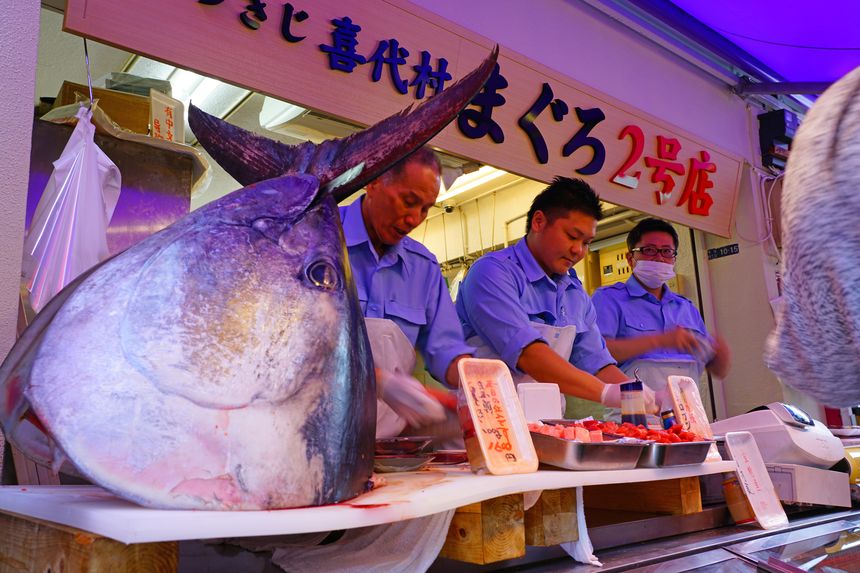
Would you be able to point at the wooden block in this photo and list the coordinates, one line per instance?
(552, 520)
(679, 496)
(29, 545)
(487, 532)
(129, 111)
(29, 472)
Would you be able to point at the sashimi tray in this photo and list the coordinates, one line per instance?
(575, 446)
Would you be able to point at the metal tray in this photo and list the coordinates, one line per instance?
(572, 455)
(403, 445)
(388, 464)
(679, 454)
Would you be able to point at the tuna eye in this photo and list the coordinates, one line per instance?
(322, 274)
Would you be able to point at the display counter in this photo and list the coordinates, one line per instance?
(85, 512)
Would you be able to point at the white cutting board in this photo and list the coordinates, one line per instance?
(407, 495)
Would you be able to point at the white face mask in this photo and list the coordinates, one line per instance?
(653, 274)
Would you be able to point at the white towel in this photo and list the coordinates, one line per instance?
(581, 550)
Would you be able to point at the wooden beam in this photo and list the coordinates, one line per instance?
(552, 520)
(487, 532)
(680, 496)
(30, 545)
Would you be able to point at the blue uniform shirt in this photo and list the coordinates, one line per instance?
(406, 286)
(504, 292)
(625, 310)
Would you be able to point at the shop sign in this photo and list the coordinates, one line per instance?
(362, 60)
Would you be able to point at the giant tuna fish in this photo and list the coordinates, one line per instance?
(222, 363)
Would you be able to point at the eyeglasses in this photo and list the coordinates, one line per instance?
(666, 253)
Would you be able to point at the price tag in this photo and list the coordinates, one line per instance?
(494, 427)
(689, 411)
(166, 117)
(753, 477)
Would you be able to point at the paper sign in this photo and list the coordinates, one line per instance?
(689, 411)
(166, 117)
(494, 427)
(753, 477)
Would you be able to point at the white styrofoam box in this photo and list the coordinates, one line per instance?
(540, 401)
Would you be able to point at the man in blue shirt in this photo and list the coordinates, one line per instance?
(649, 327)
(402, 292)
(525, 304)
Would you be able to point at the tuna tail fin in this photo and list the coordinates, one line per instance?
(251, 158)
(390, 140)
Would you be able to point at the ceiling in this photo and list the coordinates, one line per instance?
(762, 47)
(801, 41)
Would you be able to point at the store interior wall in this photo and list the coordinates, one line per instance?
(742, 287)
(17, 68)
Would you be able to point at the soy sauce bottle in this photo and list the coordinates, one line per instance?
(633, 403)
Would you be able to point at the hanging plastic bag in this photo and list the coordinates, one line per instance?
(68, 233)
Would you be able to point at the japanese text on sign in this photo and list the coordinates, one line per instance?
(679, 179)
(492, 420)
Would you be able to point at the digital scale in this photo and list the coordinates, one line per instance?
(806, 462)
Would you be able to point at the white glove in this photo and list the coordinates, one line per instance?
(611, 397)
(408, 398)
(651, 405)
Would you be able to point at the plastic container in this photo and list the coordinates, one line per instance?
(633, 403)
(539, 400)
(494, 427)
(737, 501)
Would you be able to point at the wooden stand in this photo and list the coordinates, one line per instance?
(487, 532)
(680, 496)
(552, 520)
(31, 545)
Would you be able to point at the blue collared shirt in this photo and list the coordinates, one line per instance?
(625, 310)
(405, 285)
(504, 292)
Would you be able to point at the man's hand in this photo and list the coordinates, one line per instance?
(719, 364)
(408, 398)
(681, 339)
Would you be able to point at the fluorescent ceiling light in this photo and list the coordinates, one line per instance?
(470, 181)
(276, 112)
(210, 95)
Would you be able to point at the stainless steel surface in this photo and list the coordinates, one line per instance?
(572, 455)
(716, 560)
(801, 536)
(651, 528)
(681, 454)
(661, 551)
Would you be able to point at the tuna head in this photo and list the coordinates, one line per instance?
(210, 374)
(222, 363)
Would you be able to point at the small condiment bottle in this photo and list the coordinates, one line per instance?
(668, 417)
(633, 403)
